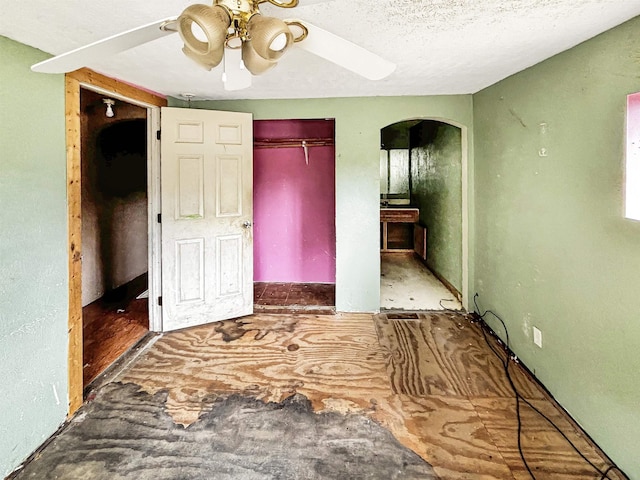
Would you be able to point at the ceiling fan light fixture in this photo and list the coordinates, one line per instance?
(279, 43)
(218, 33)
(211, 21)
(256, 64)
(270, 36)
(208, 61)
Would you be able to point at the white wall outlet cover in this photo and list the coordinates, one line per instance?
(537, 337)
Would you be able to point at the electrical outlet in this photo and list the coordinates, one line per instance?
(537, 337)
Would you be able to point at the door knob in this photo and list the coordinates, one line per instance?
(247, 224)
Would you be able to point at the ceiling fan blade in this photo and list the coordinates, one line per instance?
(80, 57)
(237, 77)
(344, 53)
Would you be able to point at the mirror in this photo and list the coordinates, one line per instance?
(394, 174)
(395, 186)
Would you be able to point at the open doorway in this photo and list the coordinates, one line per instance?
(421, 216)
(79, 81)
(294, 216)
(115, 312)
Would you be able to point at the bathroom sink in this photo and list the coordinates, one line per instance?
(395, 202)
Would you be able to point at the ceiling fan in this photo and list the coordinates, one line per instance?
(236, 34)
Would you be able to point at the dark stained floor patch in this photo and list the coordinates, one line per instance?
(126, 434)
(235, 329)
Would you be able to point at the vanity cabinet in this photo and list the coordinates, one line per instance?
(397, 228)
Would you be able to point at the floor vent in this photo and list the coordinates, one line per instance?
(403, 316)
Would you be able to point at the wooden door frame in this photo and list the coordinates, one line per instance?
(85, 78)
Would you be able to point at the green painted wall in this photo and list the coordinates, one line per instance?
(358, 124)
(436, 178)
(396, 135)
(552, 248)
(34, 283)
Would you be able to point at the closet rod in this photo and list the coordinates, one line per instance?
(293, 142)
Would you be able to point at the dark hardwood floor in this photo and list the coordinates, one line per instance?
(110, 326)
(311, 298)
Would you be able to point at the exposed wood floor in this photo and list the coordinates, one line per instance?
(429, 379)
(310, 298)
(407, 284)
(109, 329)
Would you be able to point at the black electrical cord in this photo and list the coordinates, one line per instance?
(505, 364)
(448, 309)
(519, 398)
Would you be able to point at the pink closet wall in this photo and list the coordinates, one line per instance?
(294, 204)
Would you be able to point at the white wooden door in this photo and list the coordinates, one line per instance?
(207, 214)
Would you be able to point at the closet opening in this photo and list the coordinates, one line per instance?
(294, 216)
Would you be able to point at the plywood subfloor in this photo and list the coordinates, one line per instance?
(406, 284)
(429, 379)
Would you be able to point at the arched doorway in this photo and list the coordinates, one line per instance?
(421, 212)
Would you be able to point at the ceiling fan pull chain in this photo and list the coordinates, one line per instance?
(224, 71)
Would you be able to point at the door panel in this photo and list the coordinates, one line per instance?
(229, 186)
(190, 194)
(190, 274)
(229, 260)
(207, 212)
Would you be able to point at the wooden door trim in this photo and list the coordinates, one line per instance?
(73, 82)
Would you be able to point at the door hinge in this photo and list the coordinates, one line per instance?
(159, 218)
(158, 135)
(159, 301)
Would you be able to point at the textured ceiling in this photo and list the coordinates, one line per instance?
(440, 46)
